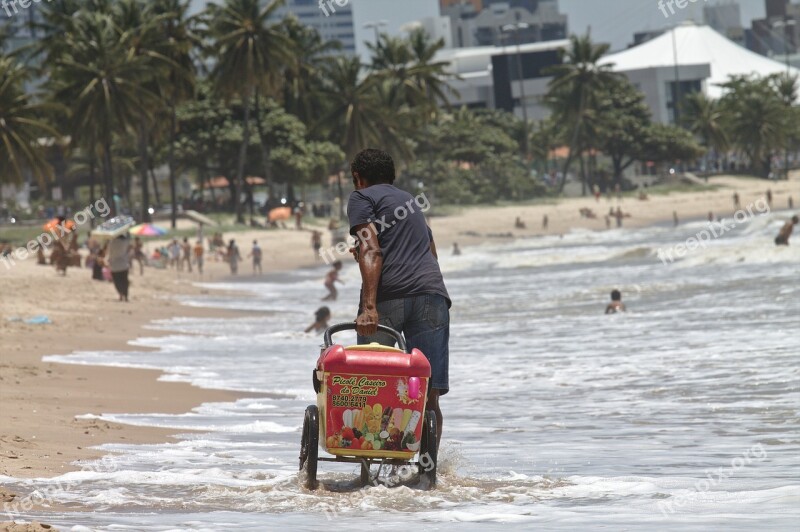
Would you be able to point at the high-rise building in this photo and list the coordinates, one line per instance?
(477, 4)
(329, 19)
(530, 5)
(776, 8)
(485, 27)
(392, 17)
(19, 25)
(725, 18)
(779, 32)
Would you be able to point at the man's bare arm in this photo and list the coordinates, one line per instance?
(370, 263)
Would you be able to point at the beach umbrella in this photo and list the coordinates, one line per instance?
(147, 230)
(280, 213)
(55, 222)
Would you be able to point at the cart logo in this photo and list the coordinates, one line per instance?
(359, 387)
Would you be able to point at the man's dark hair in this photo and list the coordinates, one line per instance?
(374, 166)
(616, 295)
(795, 219)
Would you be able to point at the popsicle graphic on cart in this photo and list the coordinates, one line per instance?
(376, 427)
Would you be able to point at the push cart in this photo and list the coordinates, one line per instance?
(371, 409)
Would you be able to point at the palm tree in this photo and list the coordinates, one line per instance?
(179, 40)
(391, 61)
(786, 87)
(141, 29)
(575, 88)
(757, 119)
(21, 127)
(310, 55)
(358, 117)
(249, 54)
(705, 119)
(429, 76)
(103, 84)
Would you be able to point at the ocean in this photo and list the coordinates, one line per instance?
(681, 414)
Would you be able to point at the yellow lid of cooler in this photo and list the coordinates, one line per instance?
(374, 346)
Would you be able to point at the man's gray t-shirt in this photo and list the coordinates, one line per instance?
(409, 267)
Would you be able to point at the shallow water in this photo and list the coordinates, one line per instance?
(681, 414)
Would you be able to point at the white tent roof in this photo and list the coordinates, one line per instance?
(697, 45)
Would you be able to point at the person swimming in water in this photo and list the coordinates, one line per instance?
(330, 281)
(616, 304)
(786, 231)
(321, 318)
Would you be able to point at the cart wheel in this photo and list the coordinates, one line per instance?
(364, 473)
(309, 446)
(427, 450)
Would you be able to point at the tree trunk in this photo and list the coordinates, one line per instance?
(144, 167)
(156, 193)
(171, 163)
(617, 162)
(92, 176)
(266, 153)
(573, 147)
(341, 193)
(583, 174)
(242, 159)
(108, 178)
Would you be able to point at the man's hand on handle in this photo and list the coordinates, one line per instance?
(367, 322)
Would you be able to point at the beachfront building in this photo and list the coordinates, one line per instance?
(539, 21)
(490, 80)
(726, 18)
(392, 17)
(688, 58)
(778, 34)
(334, 23)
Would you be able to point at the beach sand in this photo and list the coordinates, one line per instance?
(39, 433)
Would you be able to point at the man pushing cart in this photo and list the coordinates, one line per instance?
(404, 301)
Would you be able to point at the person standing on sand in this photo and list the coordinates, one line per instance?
(545, 222)
(256, 254)
(186, 254)
(119, 263)
(616, 303)
(198, 256)
(175, 255)
(618, 215)
(675, 218)
(316, 243)
(769, 197)
(402, 284)
(786, 231)
(233, 257)
(736, 202)
(138, 254)
(456, 249)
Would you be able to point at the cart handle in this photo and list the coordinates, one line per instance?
(351, 326)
